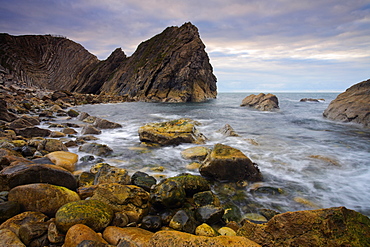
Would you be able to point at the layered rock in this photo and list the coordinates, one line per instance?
(172, 66)
(262, 102)
(351, 106)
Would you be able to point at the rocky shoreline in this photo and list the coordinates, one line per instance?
(44, 201)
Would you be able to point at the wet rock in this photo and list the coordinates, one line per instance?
(32, 231)
(52, 145)
(227, 130)
(90, 130)
(86, 192)
(255, 217)
(78, 233)
(83, 115)
(73, 113)
(9, 209)
(13, 176)
(93, 213)
(206, 230)
(143, 180)
(206, 198)
(19, 123)
(267, 190)
(96, 148)
(113, 235)
(4, 113)
(57, 134)
(44, 198)
(191, 183)
(199, 153)
(33, 132)
(232, 213)
(167, 194)
(17, 221)
(268, 213)
(54, 235)
(111, 174)
(9, 238)
(69, 131)
(86, 179)
(176, 238)
(323, 227)
(27, 151)
(209, 214)
(120, 219)
(183, 221)
(351, 105)
(151, 222)
(262, 102)
(105, 124)
(226, 231)
(64, 159)
(311, 100)
(171, 133)
(193, 166)
(130, 199)
(225, 163)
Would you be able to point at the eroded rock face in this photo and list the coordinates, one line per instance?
(323, 227)
(352, 106)
(262, 102)
(170, 67)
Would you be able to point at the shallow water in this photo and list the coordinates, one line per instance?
(315, 161)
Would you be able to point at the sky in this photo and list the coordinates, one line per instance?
(253, 45)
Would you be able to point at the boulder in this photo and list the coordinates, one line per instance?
(323, 227)
(19, 123)
(78, 233)
(96, 148)
(183, 221)
(9, 238)
(88, 129)
(225, 163)
(199, 153)
(168, 194)
(69, 131)
(151, 222)
(52, 145)
(105, 124)
(191, 183)
(351, 106)
(206, 230)
(93, 213)
(262, 102)
(44, 198)
(30, 132)
(15, 175)
(73, 113)
(171, 133)
(111, 174)
(4, 114)
(9, 209)
(130, 199)
(143, 180)
(209, 214)
(206, 198)
(57, 134)
(176, 238)
(64, 159)
(141, 237)
(33, 232)
(227, 130)
(17, 221)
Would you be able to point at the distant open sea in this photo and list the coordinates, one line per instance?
(309, 157)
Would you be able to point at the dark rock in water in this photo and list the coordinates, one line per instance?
(30, 132)
(182, 221)
(206, 198)
(263, 102)
(227, 130)
(90, 130)
(352, 106)
(168, 194)
(191, 183)
(151, 222)
(209, 214)
(105, 124)
(143, 180)
(171, 133)
(323, 227)
(15, 175)
(225, 163)
(96, 148)
(73, 113)
(172, 66)
(311, 100)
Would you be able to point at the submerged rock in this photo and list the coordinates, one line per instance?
(171, 133)
(199, 153)
(262, 102)
(225, 163)
(323, 227)
(351, 106)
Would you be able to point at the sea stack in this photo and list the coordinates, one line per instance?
(352, 106)
(170, 67)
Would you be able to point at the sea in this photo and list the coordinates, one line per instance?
(311, 161)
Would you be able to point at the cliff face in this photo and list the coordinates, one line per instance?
(172, 66)
(352, 106)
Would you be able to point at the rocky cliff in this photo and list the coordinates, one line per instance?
(352, 106)
(172, 66)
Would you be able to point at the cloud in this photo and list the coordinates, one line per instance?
(281, 44)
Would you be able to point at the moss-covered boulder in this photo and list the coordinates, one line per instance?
(227, 164)
(168, 194)
(111, 174)
(44, 198)
(93, 213)
(171, 133)
(130, 199)
(176, 238)
(324, 227)
(191, 183)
